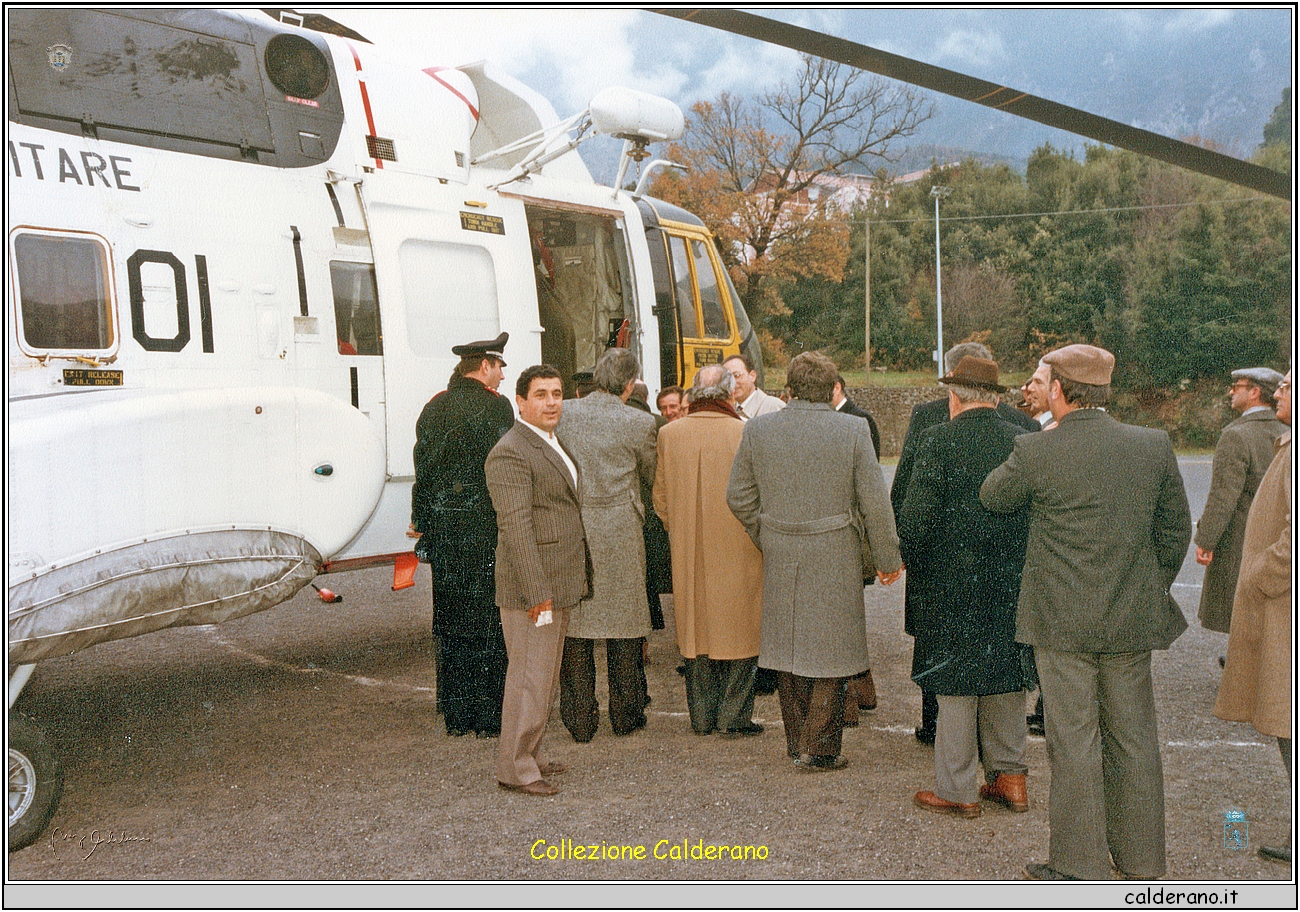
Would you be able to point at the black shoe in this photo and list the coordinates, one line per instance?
(819, 763)
(1276, 853)
(1043, 872)
(1034, 725)
(1223, 661)
(925, 735)
(636, 725)
(486, 733)
(747, 730)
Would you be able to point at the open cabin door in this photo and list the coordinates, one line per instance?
(585, 295)
(451, 269)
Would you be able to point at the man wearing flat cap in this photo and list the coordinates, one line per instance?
(970, 560)
(1241, 458)
(452, 513)
(1109, 528)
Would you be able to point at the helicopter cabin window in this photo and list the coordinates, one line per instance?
(356, 308)
(684, 286)
(451, 295)
(581, 270)
(715, 320)
(65, 297)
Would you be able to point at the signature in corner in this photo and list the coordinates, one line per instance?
(89, 842)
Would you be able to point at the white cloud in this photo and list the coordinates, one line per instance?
(1198, 20)
(967, 47)
(580, 51)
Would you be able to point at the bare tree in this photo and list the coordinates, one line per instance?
(756, 167)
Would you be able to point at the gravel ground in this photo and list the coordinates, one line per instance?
(302, 744)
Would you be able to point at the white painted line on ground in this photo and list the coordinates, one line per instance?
(266, 662)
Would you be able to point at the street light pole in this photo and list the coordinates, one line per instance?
(938, 193)
(866, 255)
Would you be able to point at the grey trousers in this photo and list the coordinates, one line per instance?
(989, 728)
(720, 693)
(1108, 791)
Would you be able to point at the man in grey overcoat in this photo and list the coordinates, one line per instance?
(1241, 458)
(1109, 528)
(806, 486)
(615, 448)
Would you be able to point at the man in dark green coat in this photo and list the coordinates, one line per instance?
(970, 560)
(1109, 528)
(1241, 458)
(452, 512)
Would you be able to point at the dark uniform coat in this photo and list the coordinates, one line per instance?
(1240, 460)
(968, 559)
(451, 508)
(925, 416)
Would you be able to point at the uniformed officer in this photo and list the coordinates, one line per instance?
(452, 513)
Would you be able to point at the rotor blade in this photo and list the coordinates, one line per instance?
(992, 95)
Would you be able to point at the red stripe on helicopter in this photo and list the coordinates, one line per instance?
(365, 99)
(433, 71)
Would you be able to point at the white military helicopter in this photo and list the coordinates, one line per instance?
(239, 253)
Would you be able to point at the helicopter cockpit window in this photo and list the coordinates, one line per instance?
(582, 275)
(685, 287)
(356, 308)
(715, 320)
(64, 292)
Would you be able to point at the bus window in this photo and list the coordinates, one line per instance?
(684, 285)
(356, 308)
(715, 320)
(63, 289)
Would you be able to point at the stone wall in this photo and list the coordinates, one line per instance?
(892, 409)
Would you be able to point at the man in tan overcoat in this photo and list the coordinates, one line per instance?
(1256, 685)
(717, 571)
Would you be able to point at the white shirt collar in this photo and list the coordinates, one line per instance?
(1257, 408)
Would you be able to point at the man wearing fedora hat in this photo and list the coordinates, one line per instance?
(452, 514)
(970, 561)
(925, 416)
(1241, 458)
(1109, 529)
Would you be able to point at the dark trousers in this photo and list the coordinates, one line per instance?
(627, 695)
(929, 710)
(720, 693)
(472, 681)
(812, 710)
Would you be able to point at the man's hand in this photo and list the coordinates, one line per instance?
(536, 611)
(410, 531)
(1204, 557)
(888, 579)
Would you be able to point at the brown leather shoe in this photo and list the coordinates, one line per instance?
(537, 787)
(932, 802)
(553, 768)
(1008, 790)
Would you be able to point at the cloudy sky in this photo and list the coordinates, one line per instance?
(1216, 73)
